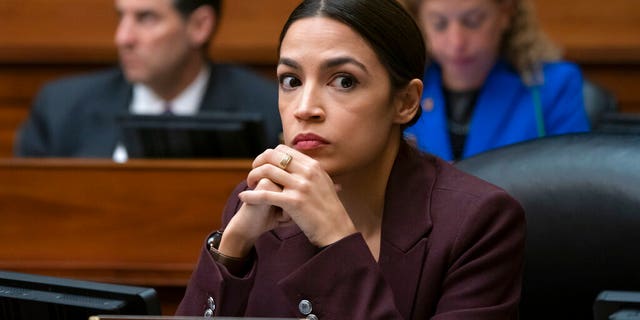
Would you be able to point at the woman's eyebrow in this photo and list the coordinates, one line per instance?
(334, 62)
(472, 11)
(289, 62)
(331, 63)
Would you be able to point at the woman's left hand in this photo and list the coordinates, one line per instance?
(308, 194)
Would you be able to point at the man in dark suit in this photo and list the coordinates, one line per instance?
(162, 47)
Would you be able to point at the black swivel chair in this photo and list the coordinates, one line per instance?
(581, 195)
(598, 102)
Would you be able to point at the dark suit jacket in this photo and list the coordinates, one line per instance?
(452, 248)
(76, 117)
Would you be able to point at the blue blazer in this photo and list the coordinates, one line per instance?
(77, 116)
(505, 112)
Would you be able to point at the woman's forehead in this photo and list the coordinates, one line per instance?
(320, 35)
(321, 27)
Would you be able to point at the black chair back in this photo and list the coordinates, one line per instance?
(598, 101)
(581, 195)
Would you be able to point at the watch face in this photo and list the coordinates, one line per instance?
(214, 240)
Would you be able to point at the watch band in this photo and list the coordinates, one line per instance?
(235, 266)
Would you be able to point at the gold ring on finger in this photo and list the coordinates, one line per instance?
(284, 162)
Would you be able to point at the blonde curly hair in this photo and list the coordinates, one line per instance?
(524, 44)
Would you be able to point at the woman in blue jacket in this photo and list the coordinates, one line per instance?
(494, 79)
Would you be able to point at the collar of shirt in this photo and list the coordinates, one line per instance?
(145, 101)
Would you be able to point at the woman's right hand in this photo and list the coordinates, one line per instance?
(305, 191)
(300, 193)
(250, 222)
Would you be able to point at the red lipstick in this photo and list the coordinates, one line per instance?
(308, 141)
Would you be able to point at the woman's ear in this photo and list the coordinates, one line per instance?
(201, 25)
(408, 102)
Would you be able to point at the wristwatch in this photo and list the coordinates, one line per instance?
(214, 240)
(235, 266)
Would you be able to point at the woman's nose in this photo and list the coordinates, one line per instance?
(309, 105)
(457, 37)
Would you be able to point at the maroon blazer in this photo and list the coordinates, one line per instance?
(452, 248)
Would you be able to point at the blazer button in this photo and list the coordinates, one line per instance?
(305, 307)
(312, 317)
(208, 313)
(211, 304)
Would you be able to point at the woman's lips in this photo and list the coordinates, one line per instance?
(308, 141)
(462, 62)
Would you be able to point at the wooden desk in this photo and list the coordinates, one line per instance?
(139, 223)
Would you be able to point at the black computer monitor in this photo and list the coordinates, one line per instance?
(204, 135)
(27, 296)
(617, 305)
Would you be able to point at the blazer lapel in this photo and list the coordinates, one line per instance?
(406, 225)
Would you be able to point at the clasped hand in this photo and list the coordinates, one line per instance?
(284, 192)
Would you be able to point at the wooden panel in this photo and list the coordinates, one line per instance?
(18, 83)
(140, 223)
(248, 30)
(10, 118)
(593, 30)
(622, 80)
(589, 29)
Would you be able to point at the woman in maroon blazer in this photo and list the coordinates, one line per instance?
(346, 220)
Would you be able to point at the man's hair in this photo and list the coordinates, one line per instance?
(186, 7)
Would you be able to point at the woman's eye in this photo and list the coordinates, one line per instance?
(290, 82)
(344, 82)
(439, 25)
(474, 21)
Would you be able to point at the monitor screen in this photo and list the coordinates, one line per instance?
(617, 305)
(26, 296)
(205, 135)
